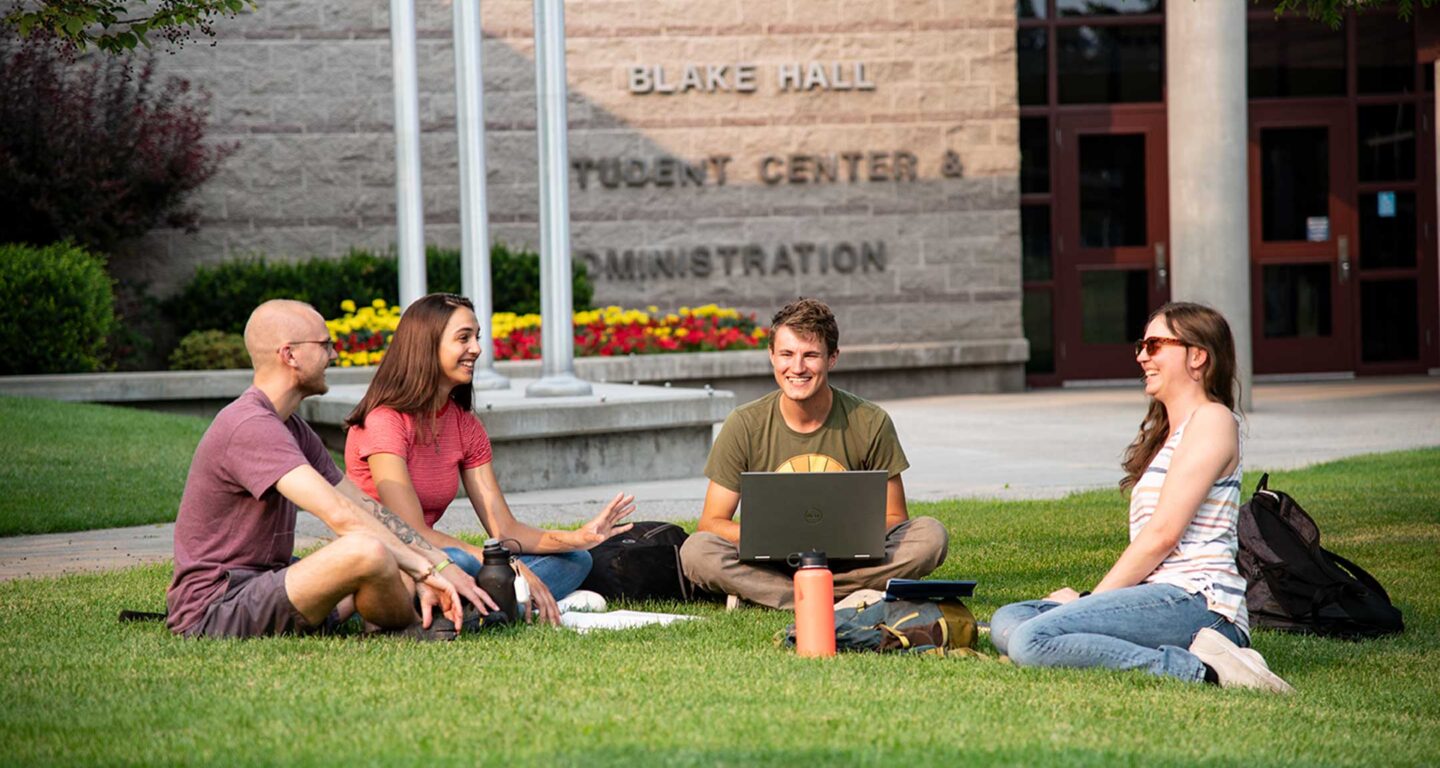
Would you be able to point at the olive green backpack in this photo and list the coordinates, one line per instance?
(935, 627)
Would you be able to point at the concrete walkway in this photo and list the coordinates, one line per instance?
(1027, 445)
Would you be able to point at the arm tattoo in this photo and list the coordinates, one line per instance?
(395, 525)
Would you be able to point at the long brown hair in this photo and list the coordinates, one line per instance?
(409, 375)
(1198, 326)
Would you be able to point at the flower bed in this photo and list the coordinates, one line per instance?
(362, 335)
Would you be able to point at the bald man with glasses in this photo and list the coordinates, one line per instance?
(235, 572)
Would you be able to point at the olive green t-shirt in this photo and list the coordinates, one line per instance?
(857, 435)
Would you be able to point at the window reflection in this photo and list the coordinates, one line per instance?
(1034, 155)
(1389, 321)
(1294, 182)
(1295, 57)
(1032, 66)
(1112, 190)
(1387, 230)
(1035, 243)
(1037, 315)
(1030, 9)
(1297, 300)
(1113, 304)
(1098, 65)
(1108, 7)
(1384, 54)
(1386, 142)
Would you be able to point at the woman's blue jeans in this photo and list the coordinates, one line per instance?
(562, 573)
(1148, 626)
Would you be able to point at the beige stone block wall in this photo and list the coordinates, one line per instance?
(305, 88)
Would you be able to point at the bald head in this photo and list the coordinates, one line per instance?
(276, 323)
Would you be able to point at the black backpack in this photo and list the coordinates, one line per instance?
(1295, 585)
(642, 563)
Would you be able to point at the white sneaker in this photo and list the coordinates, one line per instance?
(1236, 667)
(582, 601)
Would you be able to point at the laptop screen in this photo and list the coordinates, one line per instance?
(839, 513)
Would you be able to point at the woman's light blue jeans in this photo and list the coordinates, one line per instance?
(562, 573)
(1148, 626)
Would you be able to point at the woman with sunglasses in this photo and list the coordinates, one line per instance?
(414, 436)
(1173, 604)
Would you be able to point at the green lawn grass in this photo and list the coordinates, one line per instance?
(82, 467)
(77, 466)
(80, 688)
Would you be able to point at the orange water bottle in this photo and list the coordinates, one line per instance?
(814, 606)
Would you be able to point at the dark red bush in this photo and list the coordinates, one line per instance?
(98, 151)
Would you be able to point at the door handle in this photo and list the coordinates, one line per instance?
(1343, 256)
(1162, 271)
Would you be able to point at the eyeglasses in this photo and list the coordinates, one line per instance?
(1152, 344)
(326, 344)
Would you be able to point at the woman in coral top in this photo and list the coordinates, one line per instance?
(414, 436)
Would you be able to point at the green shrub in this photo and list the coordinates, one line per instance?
(100, 150)
(222, 297)
(57, 309)
(209, 351)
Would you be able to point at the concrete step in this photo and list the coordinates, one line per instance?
(620, 433)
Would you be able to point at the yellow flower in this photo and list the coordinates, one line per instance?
(681, 333)
(378, 303)
(347, 305)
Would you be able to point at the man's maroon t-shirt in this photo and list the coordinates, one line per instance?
(231, 517)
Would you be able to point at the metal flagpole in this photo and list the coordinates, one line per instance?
(474, 216)
(409, 214)
(557, 369)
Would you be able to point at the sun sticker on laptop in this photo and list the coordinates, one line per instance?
(811, 462)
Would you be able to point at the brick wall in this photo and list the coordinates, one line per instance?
(305, 87)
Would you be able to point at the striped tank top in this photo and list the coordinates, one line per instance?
(1204, 560)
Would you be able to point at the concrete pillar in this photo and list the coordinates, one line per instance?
(409, 213)
(1207, 114)
(557, 304)
(474, 217)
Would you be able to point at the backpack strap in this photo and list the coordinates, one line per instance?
(129, 616)
(1360, 574)
(1264, 484)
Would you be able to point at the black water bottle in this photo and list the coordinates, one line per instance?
(497, 578)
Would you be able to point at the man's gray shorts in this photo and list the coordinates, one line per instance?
(255, 604)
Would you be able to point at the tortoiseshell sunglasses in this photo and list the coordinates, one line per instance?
(1152, 344)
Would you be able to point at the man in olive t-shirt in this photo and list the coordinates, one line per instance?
(805, 426)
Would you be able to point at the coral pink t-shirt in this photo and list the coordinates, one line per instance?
(459, 443)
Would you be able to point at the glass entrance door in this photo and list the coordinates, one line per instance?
(1302, 238)
(1113, 235)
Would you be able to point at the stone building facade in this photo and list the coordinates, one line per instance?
(741, 152)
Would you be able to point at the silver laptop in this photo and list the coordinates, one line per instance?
(839, 513)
